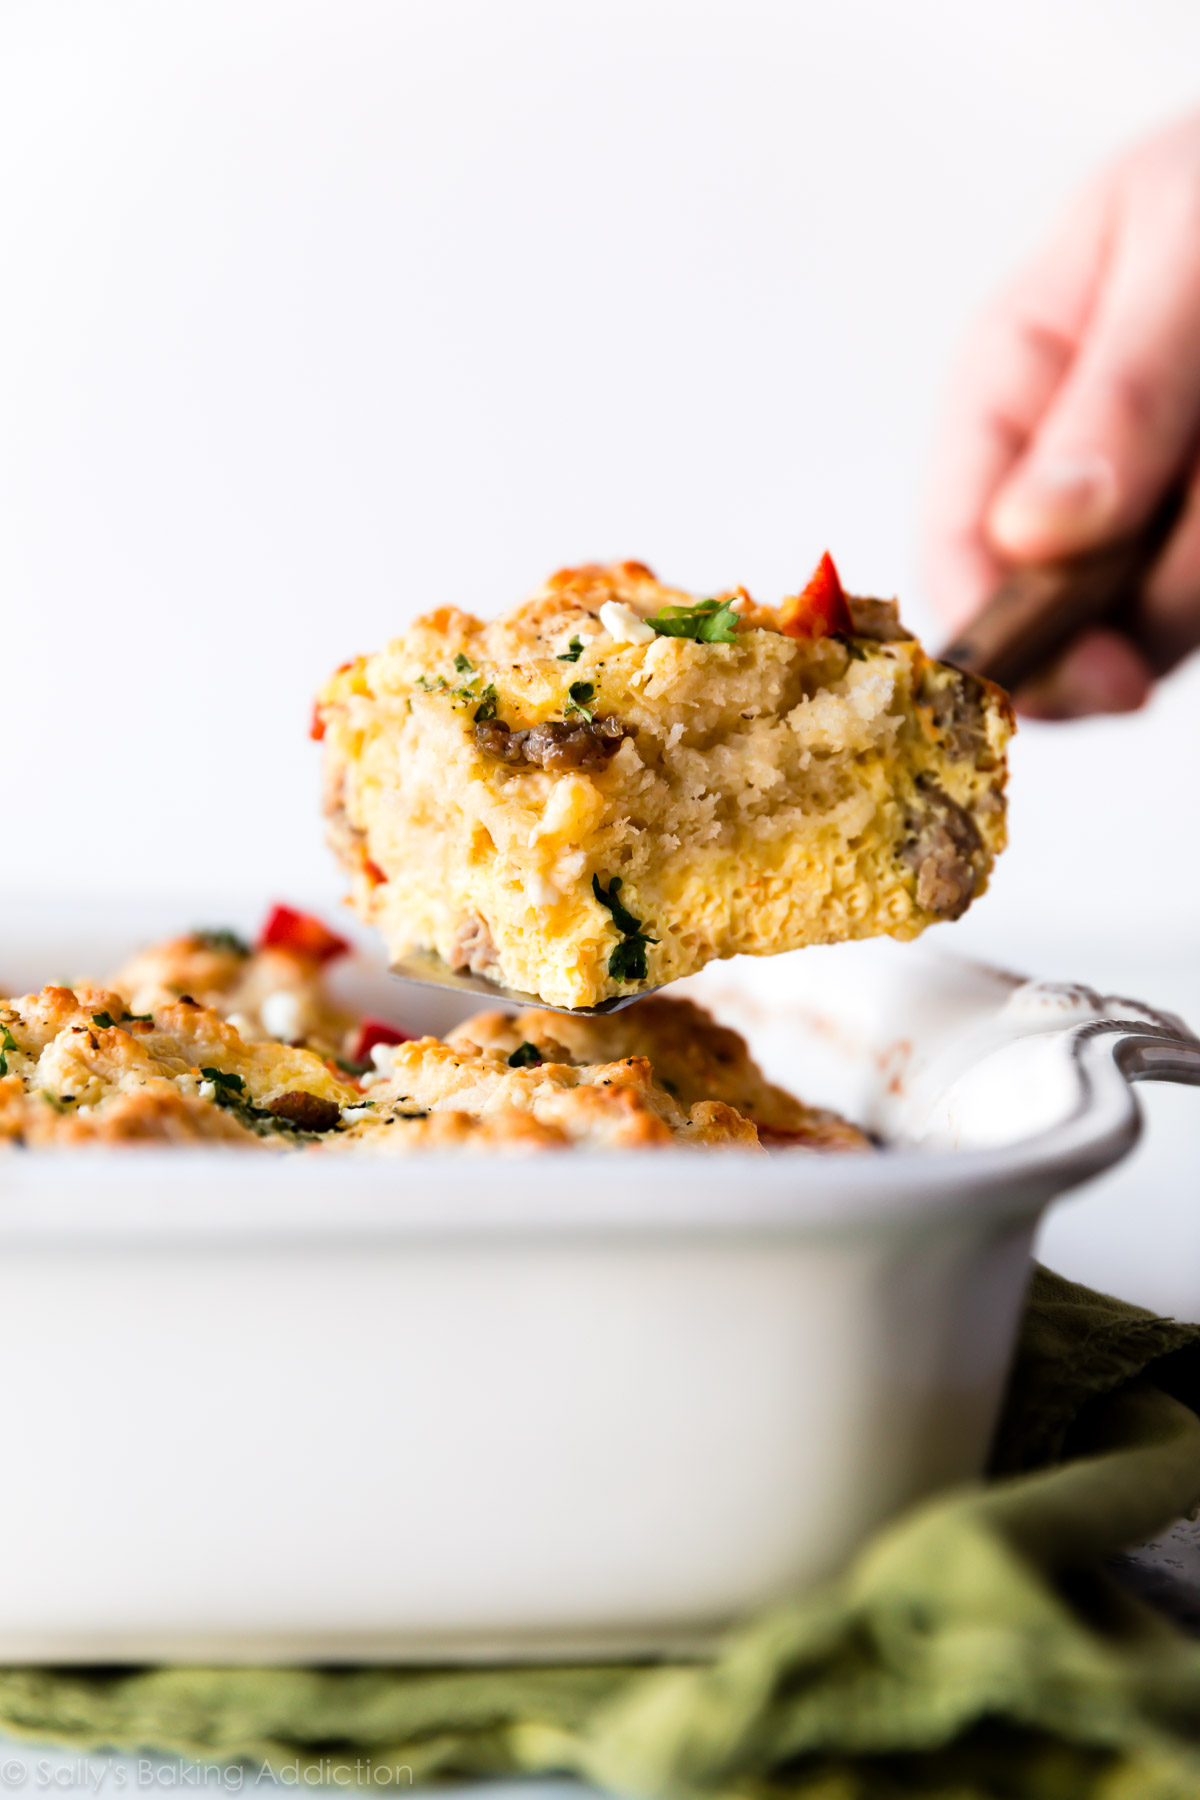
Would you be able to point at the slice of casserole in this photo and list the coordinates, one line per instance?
(614, 784)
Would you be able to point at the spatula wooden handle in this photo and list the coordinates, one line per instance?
(1037, 609)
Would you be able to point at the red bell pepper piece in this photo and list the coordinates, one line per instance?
(374, 873)
(300, 933)
(821, 610)
(316, 729)
(372, 1032)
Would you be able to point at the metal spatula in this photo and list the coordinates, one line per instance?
(1036, 611)
(427, 968)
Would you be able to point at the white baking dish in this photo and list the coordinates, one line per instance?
(444, 1408)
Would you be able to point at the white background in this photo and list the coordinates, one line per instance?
(315, 313)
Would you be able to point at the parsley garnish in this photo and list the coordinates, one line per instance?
(258, 1119)
(60, 1106)
(463, 664)
(525, 1056)
(580, 694)
(104, 1020)
(128, 1018)
(7, 1042)
(622, 918)
(708, 622)
(222, 939)
(489, 705)
(628, 959)
(432, 687)
(221, 1080)
(573, 651)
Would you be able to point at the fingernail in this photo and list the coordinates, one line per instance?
(1055, 505)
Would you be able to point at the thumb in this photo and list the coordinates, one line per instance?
(1126, 412)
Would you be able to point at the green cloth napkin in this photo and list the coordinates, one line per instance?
(977, 1647)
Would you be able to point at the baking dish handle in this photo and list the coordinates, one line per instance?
(1143, 1051)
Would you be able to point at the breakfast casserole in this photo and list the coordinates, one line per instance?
(208, 1039)
(615, 783)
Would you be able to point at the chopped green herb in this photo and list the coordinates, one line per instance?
(222, 939)
(7, 1042)
(628, 960)
(258, 1119)
(467, 691)
(60, 1106)
(580, 695)
(708, 622)
(489, 705)
(463, 664)
(525, 1056)
(437, 685)
(573, 652)
(104, 1020)
(128, 1018)
(353, 1068)
(622, 918)
(223, 1080)
(854, 651)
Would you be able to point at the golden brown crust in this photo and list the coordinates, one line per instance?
(401, 1134)
(83, 1071)
(173, 1050)
(81, 1068)
(606, 1105)
(693, 1057)
(262, 990)
(154, 1114)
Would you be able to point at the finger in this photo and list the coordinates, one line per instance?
(1010, 369)
(1123, 420)
(1167, 623)
(1100, 672)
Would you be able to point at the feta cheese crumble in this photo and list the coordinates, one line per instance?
(623, 625)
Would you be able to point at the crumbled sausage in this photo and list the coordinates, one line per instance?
(877, 619)
(306, 1111)
(473, 947)
(956, 701)
(496, 739)
(942, 843)
(561, 746)
(589, 744)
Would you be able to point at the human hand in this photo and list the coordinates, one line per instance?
(1075, 406)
